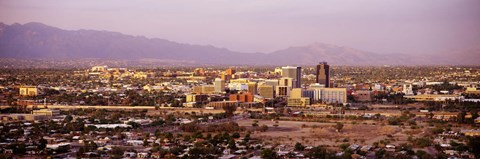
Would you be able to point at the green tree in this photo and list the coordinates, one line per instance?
(116, 153)
(42, 144)
(231, 144)
(20, 149)
(474, 115)
(229, 110)
(236, 135)
(145, 142)
(268, 154)
(474, 145)
(422, 142)
(319, 152)
(461, 116)
(299, 147)
(68, 118)
(264, 128)
(247, 137)
(423, 155)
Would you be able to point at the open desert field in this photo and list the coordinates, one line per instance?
(316, 133)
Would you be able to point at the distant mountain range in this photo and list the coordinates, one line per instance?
(39, 41)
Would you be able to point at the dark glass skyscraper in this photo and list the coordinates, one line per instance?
(323, 74)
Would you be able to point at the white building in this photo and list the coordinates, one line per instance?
(407, 89)
(219, 85)
(238, 86)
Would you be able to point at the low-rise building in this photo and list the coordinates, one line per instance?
(242, 97)
(434, 97)
(363, 95)
(46, 112)
(301, 102)
(205, 89)
(222, 104)
(28, 91)
(472, 132)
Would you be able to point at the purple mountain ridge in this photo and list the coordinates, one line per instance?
(39, 41)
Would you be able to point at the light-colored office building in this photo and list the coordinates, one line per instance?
(328, 95)
(46, 112)
(434, 97)
(252, 87)
(272, 82)
(219, 85)
(283, 91)
(205, 89)
(266, 91)
(298, 102)
(295, 73)
(296, 93)
(286, 81)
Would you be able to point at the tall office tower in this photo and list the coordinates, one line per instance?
(272, 82)
(286, 81)
(283, 91)
(323, 74)
(219, 85)
(266, 91)
(252, 87)
(295, 73)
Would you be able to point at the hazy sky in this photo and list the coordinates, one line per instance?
(383, 26)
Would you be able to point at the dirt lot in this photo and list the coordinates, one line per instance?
(315, 133)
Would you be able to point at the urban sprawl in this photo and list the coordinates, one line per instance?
(237, 112)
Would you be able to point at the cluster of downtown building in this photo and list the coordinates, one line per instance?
(203, 87)
(248, 91)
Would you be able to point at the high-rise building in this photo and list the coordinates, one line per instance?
(219, 85)
(323, 74)
(295, 73)
(286, 81)
(272, 82)
(266, 91)
(283, 91)
(252, 87)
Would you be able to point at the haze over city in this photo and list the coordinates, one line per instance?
(248, 79)
(381, 26)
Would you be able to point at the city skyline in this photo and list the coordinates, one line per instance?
(218, 79)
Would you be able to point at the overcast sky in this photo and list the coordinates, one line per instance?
(383, 26)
